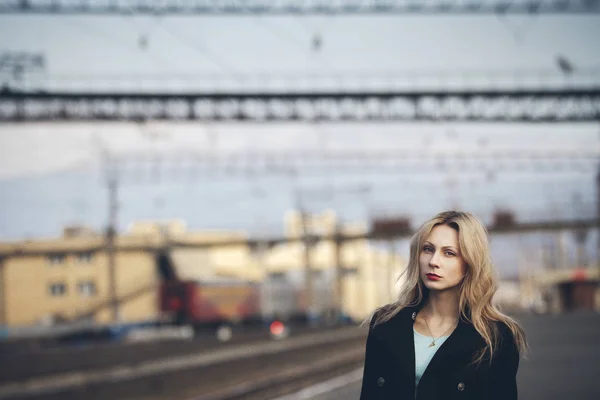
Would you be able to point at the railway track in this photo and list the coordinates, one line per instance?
(250, 369)
(292, 372)
(24, 365)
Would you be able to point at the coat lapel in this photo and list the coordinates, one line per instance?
(458, 348)
(398, 338)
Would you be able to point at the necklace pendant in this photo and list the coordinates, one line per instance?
(431, 344)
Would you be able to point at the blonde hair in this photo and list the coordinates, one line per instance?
(477, 287)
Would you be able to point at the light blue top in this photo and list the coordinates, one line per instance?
(424, 353)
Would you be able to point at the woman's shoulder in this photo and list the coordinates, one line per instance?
(390, 312)
(504, 330)
(506, 342)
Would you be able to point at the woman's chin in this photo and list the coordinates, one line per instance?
(440, 287)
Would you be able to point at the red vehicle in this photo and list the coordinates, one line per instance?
(221, 305)
(210, 304)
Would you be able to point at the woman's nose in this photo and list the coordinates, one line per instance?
(434, 260)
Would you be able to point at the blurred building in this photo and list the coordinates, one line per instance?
(551, 291)
(508, 296)
(368, 270)
(67, 278)
(569, 289)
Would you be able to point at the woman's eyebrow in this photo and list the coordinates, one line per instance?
(443, 247)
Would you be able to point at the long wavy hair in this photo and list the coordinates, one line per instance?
(476, 289)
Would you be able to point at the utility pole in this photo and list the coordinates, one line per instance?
(113, 210)
(306, 241)
(580, 234)
(562, 261)
(308, 273)
(267, 288)
(338, 290)
(598, 217)
(3, 319)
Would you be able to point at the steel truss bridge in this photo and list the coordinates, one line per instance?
(297, 7)
(553, 105)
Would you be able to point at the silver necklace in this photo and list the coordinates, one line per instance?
(433, 339)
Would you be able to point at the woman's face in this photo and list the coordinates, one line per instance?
(440, 262)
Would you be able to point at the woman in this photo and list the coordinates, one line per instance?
(443, 338)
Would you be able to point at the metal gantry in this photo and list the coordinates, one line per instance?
(569, 105)
(476, 95)
(297, 7)
(340, 81)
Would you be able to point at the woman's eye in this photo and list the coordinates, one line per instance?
(428, 249)
(450, 254)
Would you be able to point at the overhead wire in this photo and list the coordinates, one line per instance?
(201, 49)
(517, 31)
(94, 30)
(280, 33)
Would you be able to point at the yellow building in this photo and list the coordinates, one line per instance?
(68, 278)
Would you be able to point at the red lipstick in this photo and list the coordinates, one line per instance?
(433, 277)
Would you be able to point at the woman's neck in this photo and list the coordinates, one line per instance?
(442, 305)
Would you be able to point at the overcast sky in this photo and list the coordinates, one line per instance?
(46, 178)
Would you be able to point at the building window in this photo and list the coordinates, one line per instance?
(58, 289)
(87, 288)
(85, 258)
(56, 259)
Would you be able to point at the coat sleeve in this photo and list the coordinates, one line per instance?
(367, 387)
(505, 364)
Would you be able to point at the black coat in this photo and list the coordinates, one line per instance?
(389, 371)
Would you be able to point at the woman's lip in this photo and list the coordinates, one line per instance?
(434, 275)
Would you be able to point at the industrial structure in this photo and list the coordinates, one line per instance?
(296, 7)
(562, 105)
(68, 278)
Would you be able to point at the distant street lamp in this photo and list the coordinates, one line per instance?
(565, 66)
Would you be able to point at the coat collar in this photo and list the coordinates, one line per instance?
(398, 336)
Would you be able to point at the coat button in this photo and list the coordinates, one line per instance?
(461, 387)
(380, 381)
